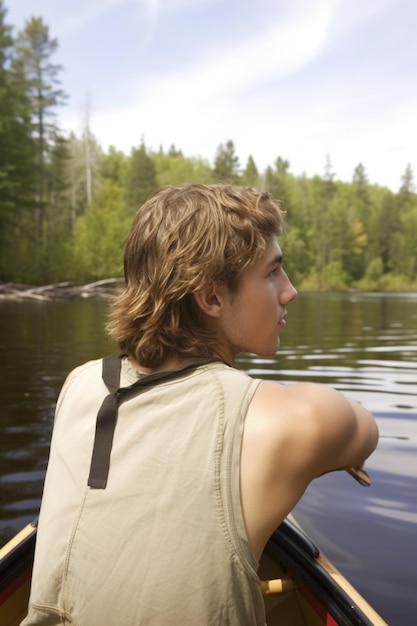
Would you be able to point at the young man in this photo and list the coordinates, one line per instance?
(159, 500)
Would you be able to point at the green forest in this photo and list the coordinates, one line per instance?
(66, 204)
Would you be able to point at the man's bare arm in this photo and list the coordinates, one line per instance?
(293, 434)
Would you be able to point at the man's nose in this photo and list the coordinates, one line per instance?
(289, 293)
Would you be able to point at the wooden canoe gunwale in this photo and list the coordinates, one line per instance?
(298, 554)
(18, 558)
(16, 561)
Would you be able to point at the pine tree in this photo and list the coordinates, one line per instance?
(360, 182)
(16, 153)
(250, 176)
(407, 186)
(226, 164)
(403, 246)
(173, 151)
(140, 178)
(329, 187)
(112, 166)
(278, 184)
(32, 63)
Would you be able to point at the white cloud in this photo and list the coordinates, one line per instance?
(79, 17)
(279, 50)
(211, 99)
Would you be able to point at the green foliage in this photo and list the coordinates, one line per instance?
(334, 276)
(140, 181)
(226, 164)
(66, 206)
(250, 176)
(297, 260)
(397, 282)
(99, 235)
(278, 182)
(175, 169)
(32, 62)
(372, 279)
(17, 171)
(113, 166)
(37, 78)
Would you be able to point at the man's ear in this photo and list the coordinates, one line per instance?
(209, 300)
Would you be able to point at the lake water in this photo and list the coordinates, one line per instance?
(362, 344)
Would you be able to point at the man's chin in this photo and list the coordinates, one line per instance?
(270, 351)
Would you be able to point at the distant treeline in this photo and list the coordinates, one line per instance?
(66, 205)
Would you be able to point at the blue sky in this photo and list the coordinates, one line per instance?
(300, 79)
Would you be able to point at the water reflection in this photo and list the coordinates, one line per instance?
(41, 342)
(362, 344)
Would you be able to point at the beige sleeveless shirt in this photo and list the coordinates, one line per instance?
(164, 544)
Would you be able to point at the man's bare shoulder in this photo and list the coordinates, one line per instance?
(322, 427)
(283, 405)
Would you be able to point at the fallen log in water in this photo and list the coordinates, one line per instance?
(100, 289)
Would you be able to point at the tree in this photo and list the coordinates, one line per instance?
(250, 176)
(58, 216)
(386, 226)
(282, 165)
(278, 183)
(84, 168)
(16, 154)
(173, 151)
(404, 244)
(329, 176)
(359, 210)
(360, 182)
(226, 164)
(32, 64)
(407, 187)
(99, 234)
(113, 166)
(140, 178)
(323, 218)
(76, 171)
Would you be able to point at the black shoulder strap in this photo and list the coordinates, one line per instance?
(105, 424)
(107, 415)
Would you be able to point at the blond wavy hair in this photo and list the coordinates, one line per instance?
(182, 240)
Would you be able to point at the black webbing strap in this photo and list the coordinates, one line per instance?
(107, 415)
(105, 424)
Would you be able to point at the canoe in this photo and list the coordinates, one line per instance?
(301, 587)
(16, 560)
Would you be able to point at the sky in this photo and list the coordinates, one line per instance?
(306, 80)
